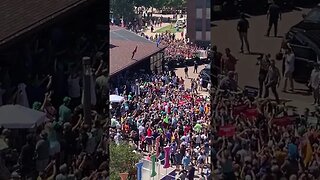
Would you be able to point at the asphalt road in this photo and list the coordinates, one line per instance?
(225, 35)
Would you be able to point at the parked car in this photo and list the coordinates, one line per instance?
(181, 23)
(205, 74)
(304, 39)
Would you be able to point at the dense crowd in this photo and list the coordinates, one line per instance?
(159, 108)
(64, 146)
(257, 137)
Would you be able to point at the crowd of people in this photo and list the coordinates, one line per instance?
(260, 139)
(159, 111)
(255, 137)
(64, 146)
(176, 47)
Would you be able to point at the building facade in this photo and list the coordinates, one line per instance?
(198, 21)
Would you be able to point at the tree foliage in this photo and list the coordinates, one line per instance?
(122, 8)
(175, 4)
(122, 159)
(125, 8)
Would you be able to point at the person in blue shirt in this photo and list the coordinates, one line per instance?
(293, 152)
(186, 161)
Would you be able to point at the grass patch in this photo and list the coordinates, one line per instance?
(169, 28)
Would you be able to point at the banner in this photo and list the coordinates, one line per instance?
(139, 170)
(251, 113)
(284, 121)
(227, 130)
(153, 168)
(167, 157)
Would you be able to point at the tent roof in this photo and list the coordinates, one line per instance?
(19, 117)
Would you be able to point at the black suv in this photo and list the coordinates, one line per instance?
(304, 39)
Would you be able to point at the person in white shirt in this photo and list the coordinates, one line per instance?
(289, 69)
(141, 129)
(74, 89)
(22, 98)
(314, 83)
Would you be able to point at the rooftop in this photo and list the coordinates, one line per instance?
(123, 43)
(21, 16)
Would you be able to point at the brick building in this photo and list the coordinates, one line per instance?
(198, 21)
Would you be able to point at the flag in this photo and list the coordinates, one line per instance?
(308, 153)
(134, 52)
(158, 41)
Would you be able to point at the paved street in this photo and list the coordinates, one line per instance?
(224, 34)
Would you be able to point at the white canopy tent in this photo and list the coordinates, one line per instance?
(116, 98)
(19, 117)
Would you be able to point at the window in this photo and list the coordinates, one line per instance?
(208, 13)
(199, 3)
(208, 25)
(208, 3)
(199, 25)
(199, 13)
(198, 35)
(208, 35)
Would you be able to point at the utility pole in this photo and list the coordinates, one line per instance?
(86, 63)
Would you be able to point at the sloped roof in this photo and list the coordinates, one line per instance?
(20, 16)
(123, 43)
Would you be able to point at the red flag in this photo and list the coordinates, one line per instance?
(134, 52)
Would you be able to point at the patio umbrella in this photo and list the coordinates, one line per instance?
(115, 98)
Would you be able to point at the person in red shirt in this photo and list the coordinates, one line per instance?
(149, 132)
(149, 139)
(228, 61)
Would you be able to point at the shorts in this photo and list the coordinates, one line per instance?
(149, 140)
(288, 74)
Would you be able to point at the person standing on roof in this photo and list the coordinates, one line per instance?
(272, 81)
(228, 61)
(273, 15)
(243, 26)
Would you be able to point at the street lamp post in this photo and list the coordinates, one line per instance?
(86, 63)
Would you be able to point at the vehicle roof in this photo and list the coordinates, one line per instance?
(313, 39)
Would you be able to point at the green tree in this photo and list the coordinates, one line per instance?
(122, 8)
(122, 159)
(175, 4)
